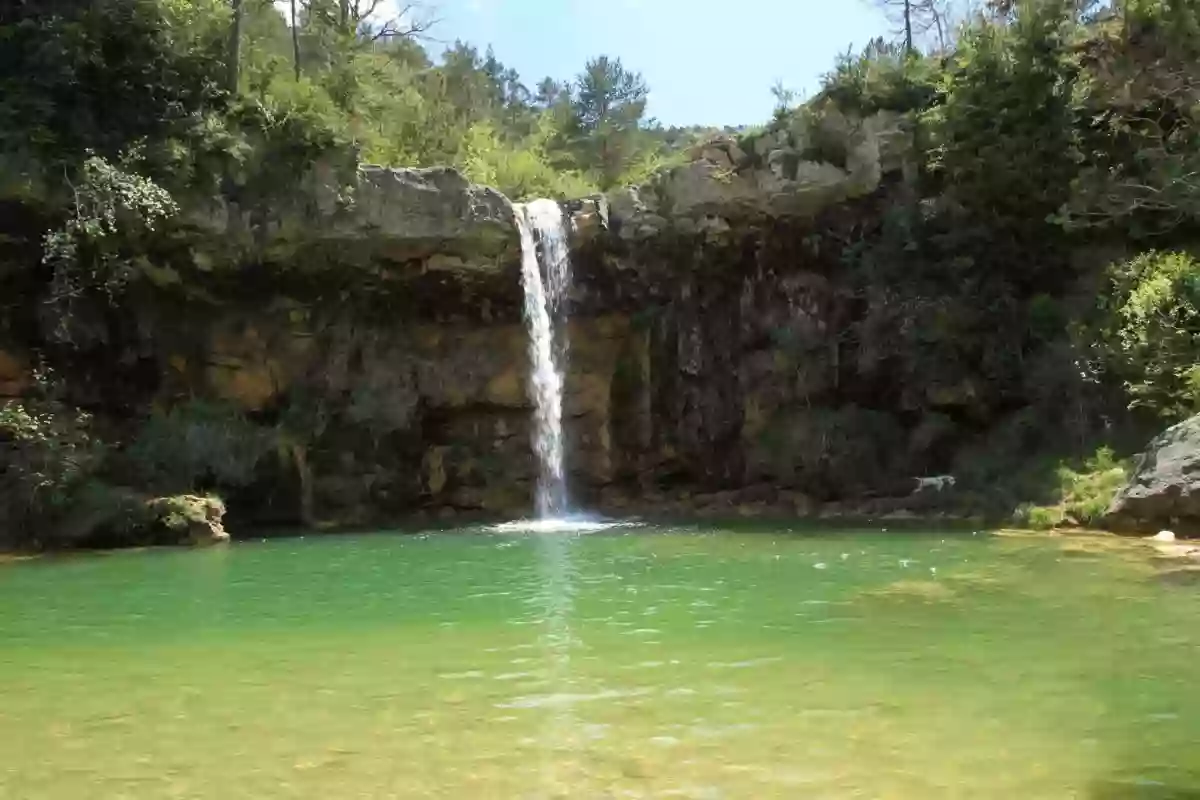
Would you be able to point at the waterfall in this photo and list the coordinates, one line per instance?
(541, 222)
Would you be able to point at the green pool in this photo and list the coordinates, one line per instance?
(634, 662)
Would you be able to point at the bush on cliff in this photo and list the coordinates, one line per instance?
(1153, 334)
(1082, 494)
(48, 456)
(882, 77)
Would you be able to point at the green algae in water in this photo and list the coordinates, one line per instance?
(695, 662)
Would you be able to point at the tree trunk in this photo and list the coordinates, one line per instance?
(235, 47)
(908, 30)
(295, 43)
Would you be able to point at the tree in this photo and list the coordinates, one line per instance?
(1140, 144)
(551, 93)
(916, 18)
(1154, 316)
(235, 46)
(98, 76)
(1004, 134)
(609, 103)
(360, 18)
(295, 42)
(785, 99)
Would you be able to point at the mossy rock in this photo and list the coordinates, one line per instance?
(187, 519)
(116, 516)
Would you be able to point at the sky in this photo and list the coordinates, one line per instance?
(707, 62)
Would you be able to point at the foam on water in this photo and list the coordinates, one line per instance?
(572, 524)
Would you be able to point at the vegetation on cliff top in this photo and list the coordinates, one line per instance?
(158, 83)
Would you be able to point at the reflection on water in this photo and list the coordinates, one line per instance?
(629, 662)
(556, 601)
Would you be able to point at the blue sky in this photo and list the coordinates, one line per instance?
(708, 62)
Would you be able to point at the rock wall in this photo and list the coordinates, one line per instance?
(428, 416)
(376, 330)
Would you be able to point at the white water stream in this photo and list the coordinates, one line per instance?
(546, 281)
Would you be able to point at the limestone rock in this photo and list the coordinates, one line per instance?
(588, 218)
(190, 519)
(787, 176)
(1164, 490)
(249, 365)
(394, 216)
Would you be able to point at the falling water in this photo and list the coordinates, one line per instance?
(541, 222)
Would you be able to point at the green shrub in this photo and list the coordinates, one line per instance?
(47, 457)
(820, 140)
(1153, 334)
(194, 446)
(78, 76)
(521, 171)
(1038, 518)
(91, 254)
(1003, 135)
(1084, 493)
(881, 78)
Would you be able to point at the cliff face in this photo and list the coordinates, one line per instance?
(374, 330)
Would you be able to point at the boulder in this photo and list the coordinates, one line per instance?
(1164, 490)
(114, 516)
(189, 519)
(786, 177)
(588, 218)
(420, 211)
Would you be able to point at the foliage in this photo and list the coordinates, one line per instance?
(519, 172)
(1153, 335)
(79, 76)
(91, 251)
(881, 78)
(1139, 137)
(609, 105)
(47, 456)
(147, 76)
(196, 445)
(785, 100)
(1002, 136)
(1083, 494)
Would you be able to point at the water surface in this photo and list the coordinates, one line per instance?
(632, 663)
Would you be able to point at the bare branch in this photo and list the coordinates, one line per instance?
(360, 14)
(409, 23)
